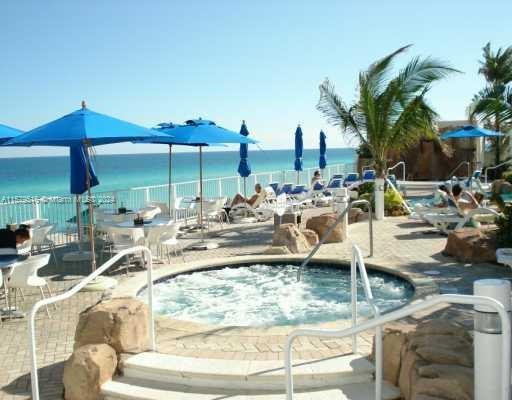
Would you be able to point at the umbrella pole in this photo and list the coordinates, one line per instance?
(245, 188)
(91, 208)
(79, 221)
(170, 180)
(201, 191)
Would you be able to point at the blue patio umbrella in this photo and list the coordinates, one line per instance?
(200, 133)
(469, 131)
(83, 128)
(7, 133)
(322, 162)
(244, 168)
(299, 145)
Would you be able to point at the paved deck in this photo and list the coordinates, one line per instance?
(399, 244)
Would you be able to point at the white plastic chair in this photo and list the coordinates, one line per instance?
(35, 222)
(41, 241)
(213, 210)
(122, 239)
(24, 275)
(169, 241)
(164, 209)
(149, 212)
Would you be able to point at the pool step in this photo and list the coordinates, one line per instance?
(246, 375)
(131, 389)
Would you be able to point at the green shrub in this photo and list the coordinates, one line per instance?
(367, 187)
(507, 175)
(392, 202)
(504, 223)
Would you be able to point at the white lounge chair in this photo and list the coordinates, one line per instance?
(259, 211)
(447, 223)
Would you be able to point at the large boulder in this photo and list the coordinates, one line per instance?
(121, 323)
(88, 368)
(310, 236)
(288, 235)
(432, 360)
(321, 223)
(472, 245)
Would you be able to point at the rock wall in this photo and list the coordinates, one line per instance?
(433, 360)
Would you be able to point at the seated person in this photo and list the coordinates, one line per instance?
(11, 239)
(317, 177)
(254, 201)
(441, 196)
(464, 200)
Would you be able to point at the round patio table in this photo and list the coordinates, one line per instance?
(148, 225)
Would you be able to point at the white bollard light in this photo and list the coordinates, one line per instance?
(487, 342)
(379, 199)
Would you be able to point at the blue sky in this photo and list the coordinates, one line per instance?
(261, 61)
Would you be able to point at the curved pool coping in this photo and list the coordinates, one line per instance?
(131, 287)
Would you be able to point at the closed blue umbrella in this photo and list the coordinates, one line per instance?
(78, 180)
(83, 128)
(78, 175)
(7, 133)
(244, 168)
(198, 132)
(469, 131)
(322, 162)
(299, 145)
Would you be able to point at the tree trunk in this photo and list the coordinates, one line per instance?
(498, 139)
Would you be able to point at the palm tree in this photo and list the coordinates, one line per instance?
(391, 113)
(493, 105)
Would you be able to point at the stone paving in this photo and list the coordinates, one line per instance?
(400, 244)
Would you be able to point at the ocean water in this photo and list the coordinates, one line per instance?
(50, 175)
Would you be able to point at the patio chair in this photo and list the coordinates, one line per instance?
(23, 275)
(169, 241)
(123, 238)
(351, 179)
(448, 222)
(213, 210)
(35, 222)
(286, 188)
(275, 187)
(261, 210)
(40, 241)
(164, 208)
(149, 212)
(368, 175)
(271, 194)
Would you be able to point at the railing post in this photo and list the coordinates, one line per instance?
(146, 195)
(353, 292)
(115, 198)
(284, 177)
(238, 184)
(219, 182)
(270, 178)
(36, 209)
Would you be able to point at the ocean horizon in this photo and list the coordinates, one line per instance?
(43, 175)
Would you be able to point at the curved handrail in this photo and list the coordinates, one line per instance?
(76, 288)
(450, 175)
(355, 264)
(495, 167)
(405, 312)
(340, 218)
(402, 163)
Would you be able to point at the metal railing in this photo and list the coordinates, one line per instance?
(496, 167)
(75, 289)
(355, 264)
(450, 175)
(402, 163)
(60, 209)
(405, 312)
(340, 218)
